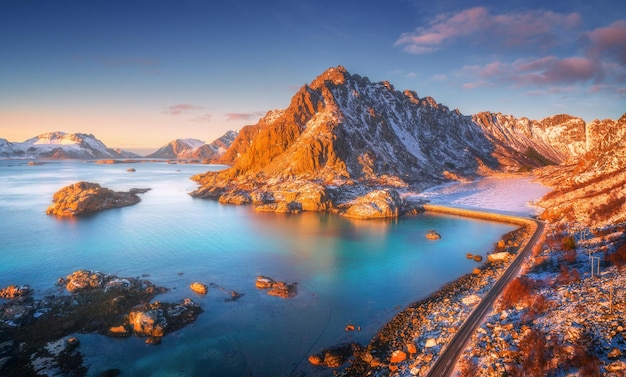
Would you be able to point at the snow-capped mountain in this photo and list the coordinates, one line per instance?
(343, 130)
(196, 149)
(61, 145)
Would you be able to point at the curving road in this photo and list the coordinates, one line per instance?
(444, 365)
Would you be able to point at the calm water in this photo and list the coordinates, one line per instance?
(349, 272)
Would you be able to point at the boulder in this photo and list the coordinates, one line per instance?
(84, 197)
(432, 235)
(276, 288)
(397, 356)
(376, 204)
(199, 288)
(148, 323)
(498, 257)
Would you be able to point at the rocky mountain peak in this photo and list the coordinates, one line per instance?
(334, 75)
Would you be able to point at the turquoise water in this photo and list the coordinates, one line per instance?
(348, 271)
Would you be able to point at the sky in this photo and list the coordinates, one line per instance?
(139, 73)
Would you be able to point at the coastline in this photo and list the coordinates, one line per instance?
(414, 339)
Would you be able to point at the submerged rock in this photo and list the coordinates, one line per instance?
(13, 291)
(84, 197)
(199, 288)
(277, 288)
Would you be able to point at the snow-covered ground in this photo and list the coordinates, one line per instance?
(511, 195)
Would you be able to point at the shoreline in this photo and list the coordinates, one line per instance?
(412, 341)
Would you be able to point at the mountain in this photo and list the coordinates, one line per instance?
(196, 149)
(342, 135)
(591, 189)
(61, 145)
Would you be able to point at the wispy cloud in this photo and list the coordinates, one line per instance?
(595, 59)
(182, 108)
(244, 116)
(478, 26)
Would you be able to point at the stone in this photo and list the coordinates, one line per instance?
(478, 258)
(498, 257)
(119, 331)
(315, 360)
(411, 348)
(397, 356)
(432, 235)
(430, 342)
(615, 353)
(376, 204)
(199, 288)
(85, 197)
(616, 366)
(235, 197)
(276, 288)
(350, 328)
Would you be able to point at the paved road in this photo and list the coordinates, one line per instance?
(447, 360)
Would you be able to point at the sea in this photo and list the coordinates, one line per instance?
(348, 272)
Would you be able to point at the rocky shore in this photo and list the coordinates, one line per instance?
(412, 340)
(36, 333)
(85, 197)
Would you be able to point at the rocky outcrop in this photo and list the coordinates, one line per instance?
(199, 288)
(277, 288)
(13, 291)
(97, 303)
(84, 197)
(376, 204)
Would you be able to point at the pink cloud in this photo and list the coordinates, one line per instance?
(181, 108)
(610, 40)
(533, 29)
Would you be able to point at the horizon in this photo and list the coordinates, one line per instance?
(198, 69)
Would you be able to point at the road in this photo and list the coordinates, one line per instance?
(444, 365)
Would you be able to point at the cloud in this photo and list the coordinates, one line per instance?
(609, 42)
(244, 116)
(535, 29)
(181, 108)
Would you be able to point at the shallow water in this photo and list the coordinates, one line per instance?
(348, 271)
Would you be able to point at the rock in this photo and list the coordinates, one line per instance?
(469, 255)
(13, 291)
(616, 366)
(411, 349)
(432, 235)
(397, 356)
(315, 360)
(150, 323)
(430, 342)
(131, 170)
(498, 257)
(376, 204)
(615, 353)
(350, 328)
(199, 288)
(276, 288)
(119, 331)
(84, 197)
(154, 340)
(470, 300)
(84, 279)
(235, 197)
(478, 258)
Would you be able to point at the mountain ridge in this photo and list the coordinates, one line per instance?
(343, 131)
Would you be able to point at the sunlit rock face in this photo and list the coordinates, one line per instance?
(376, 204)
(84, 197)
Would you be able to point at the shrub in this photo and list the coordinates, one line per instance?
(517, 292)
(618, 258)
(568, 243)
(534, 353)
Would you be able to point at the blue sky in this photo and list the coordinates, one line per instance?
(138, 74)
